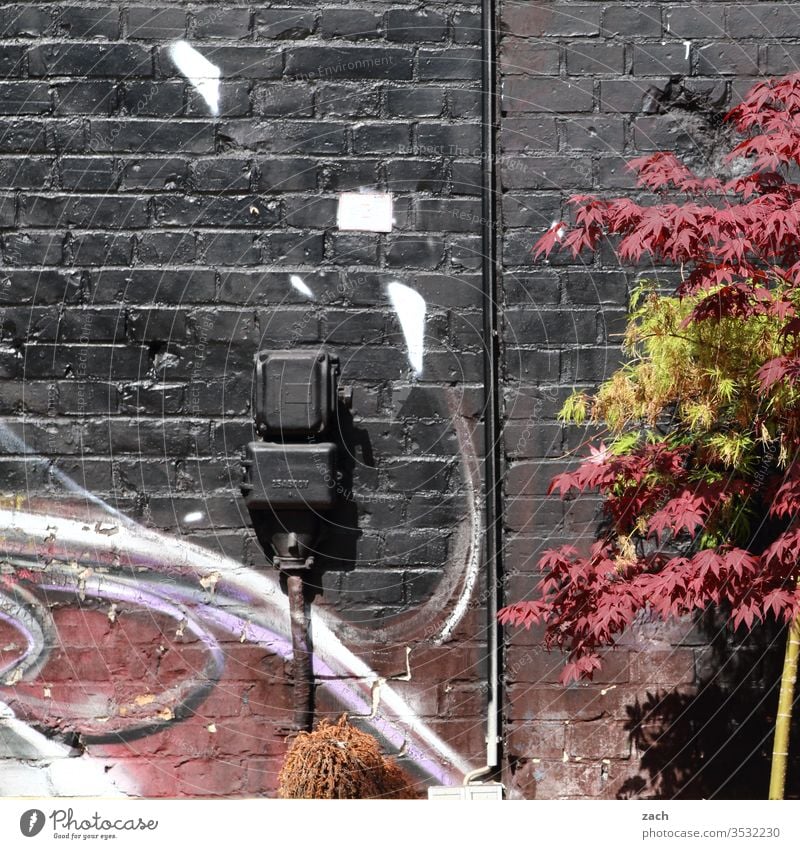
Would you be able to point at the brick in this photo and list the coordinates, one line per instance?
(415, 101)
(91, 60)
(596, 287)
(165, 248)
(283, 23)
(636, 22)
(599, 740)
(673, 667)
(156, 24)
(216, 211)
(346, 100)
(352, 24)
(28, 173)
(523, 94)
(408, 175)
(24, 21)
(417, 251)
(528, 56)
(448, 139)
(464, 103)
(535, 210)
(724, 58)
(780, 59)
(455, 63)
(33, 248)
(11, 59)
(86, 98)
(83, 212)
(154, 174)
(466, 178)
(289, 137)
(543, 740)
(209, 22)
(466, 27)
(773, 21)
(373, 587)
(415, 25)
(349, 174)
(631, 95)
(24, 98)
(559, 19)
(279, 99)
(285, 174)
(142, 136)
(381, 138)
(529, 134)
(89, 22)
(164, 99)
(584, 58)
(706, 21)
(532, 289)
(662, 132)
(24, 136)
(660, 59)
(328, 63)
(450, 215)
(603, 133)
(223, 174)
(591, 364)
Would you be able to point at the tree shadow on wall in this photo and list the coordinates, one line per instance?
(716, 741)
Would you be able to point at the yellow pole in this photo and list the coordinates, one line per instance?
(783, 721)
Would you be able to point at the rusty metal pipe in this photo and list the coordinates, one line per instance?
(302, 670)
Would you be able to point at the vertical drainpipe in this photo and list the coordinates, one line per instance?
(493, 541)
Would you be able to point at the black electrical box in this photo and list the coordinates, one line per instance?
(294, 393)
(280, 476)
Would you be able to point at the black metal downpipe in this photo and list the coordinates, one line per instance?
(493, 550)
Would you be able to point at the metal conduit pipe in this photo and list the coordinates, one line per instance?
(301, 654)
(493, 550)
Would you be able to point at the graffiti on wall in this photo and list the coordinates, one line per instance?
(68, 550)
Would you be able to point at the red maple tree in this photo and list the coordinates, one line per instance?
(704, 511)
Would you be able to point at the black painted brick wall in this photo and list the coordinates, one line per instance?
(147, 248)
(586, 86)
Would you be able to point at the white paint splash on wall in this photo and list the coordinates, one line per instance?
(201, 73)
(411, 308)
(31, 764)
(301, 286)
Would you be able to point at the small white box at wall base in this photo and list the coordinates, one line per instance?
(365, 211)
(488, 792)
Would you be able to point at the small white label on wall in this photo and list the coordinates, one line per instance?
(365, 211)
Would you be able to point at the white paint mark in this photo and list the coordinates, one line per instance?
(471, 478)
(34, 765)
(195, 516)
(410, 307)
(688, 45)
(201, 73)
(370, 211)
(301, 286)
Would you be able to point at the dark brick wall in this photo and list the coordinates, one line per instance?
(586, 86)
(147, 250)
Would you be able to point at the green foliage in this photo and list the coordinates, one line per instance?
(692, 382)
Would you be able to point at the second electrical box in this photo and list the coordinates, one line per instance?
(281, 476)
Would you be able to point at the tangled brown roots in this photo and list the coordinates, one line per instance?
(337, 761)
